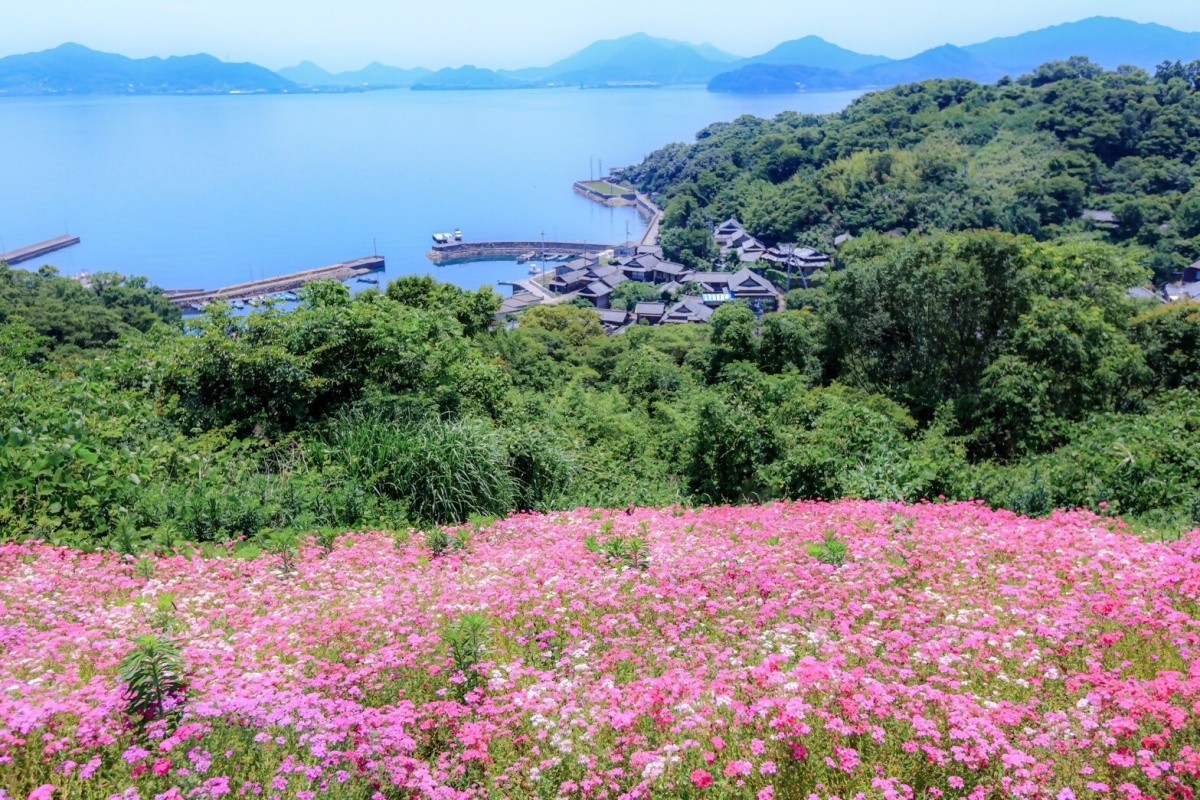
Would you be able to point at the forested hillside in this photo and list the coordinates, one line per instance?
(1026, 156)
(976, 365)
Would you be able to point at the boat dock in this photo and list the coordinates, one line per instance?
(283, 283)
(39, 249)
(501, 251)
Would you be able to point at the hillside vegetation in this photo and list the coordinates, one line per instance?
(1025, 157)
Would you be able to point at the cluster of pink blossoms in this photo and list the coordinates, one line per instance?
(952, 651)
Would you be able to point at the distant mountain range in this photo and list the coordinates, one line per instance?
(75, 69)
(372, 76)
(1107, 41)
(806, 64)
(469, 78)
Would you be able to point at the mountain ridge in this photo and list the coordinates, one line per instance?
(809, 63)
(72, 68)
(1108, 41)
(374, 75)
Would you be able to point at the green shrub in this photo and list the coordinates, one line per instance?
(153, 674)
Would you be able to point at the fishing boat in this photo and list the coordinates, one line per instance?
(367, 279)
(457, 235)
(441, 238)
(534, 269)
(239, 305)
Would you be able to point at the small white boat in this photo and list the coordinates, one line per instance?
(457, 235)
(534, 269)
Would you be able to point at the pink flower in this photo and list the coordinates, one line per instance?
(768, 768)
(43, 792)
(134, 754)
(757, 747)
(161, 767)
(767, 794)
(701, 779)
(738, 769)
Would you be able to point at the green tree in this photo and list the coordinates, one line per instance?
(792, 340)
(1064, 362)
(475, 311)
(694, 248)
(628, 294)
(576, 325)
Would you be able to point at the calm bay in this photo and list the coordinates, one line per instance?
(201, 192)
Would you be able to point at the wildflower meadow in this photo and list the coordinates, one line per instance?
(850, 650)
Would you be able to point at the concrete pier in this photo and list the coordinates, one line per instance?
(476, 251)
(282, 283)
(39, 249)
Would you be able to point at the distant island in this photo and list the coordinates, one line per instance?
(72, 69)
(808, 64)
(372, 76)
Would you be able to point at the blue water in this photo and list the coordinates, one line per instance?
(202, 192)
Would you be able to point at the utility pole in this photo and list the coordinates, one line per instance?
(789, 267)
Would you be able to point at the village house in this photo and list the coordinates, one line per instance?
(651, 313)
(800, 259)
(594, 278)
(721, 287)
(1186, 289)
(688, 310)
(614, 320)
(736, 244)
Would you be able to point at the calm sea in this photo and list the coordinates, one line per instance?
(201, 192)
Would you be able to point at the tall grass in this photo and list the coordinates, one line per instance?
(443, 470)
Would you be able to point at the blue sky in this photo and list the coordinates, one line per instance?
(346, 34)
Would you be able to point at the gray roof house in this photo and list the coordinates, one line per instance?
(650, 312)
(687, 310)
(613, 318)
(740, 285)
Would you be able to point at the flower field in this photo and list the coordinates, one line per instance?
(847, 649)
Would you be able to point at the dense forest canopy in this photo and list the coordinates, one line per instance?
(1025, 156)
(1008, 365)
